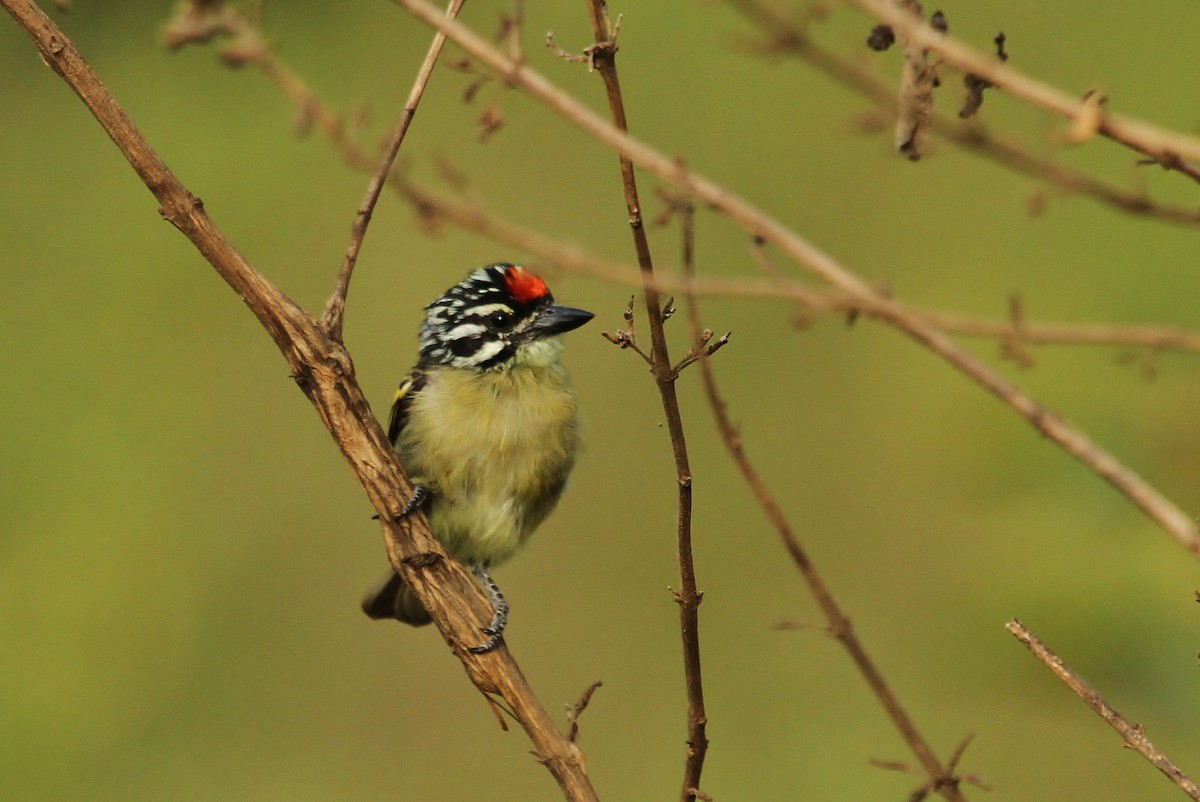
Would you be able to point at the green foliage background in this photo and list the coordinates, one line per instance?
(182, 549)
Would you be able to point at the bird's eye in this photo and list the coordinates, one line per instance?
(501, 321)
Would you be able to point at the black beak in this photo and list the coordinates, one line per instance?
(557, 320)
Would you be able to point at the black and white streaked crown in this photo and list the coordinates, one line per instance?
(478, 322)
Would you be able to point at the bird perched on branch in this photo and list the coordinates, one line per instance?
(486, 428)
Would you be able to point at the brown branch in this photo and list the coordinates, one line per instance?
(1170, 149)
(576, 710)
(790, 36)
(1014, 333)
(603, 55)
(627, 337)
(335, 308)
(323, 370)
(1034, 333)
(940, 779)
(1134, 735)
(1160, 509)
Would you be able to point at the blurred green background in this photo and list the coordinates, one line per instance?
(182, 549)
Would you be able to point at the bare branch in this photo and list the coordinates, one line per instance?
(570, 257)
(576, 710)
(1134, 735)
(603, 58)
(627, 337)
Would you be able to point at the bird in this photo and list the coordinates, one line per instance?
(487, 428)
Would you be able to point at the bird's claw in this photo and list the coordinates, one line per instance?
(419, 497)
(495, 628)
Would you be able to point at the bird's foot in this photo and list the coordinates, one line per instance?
(495, 629)
(419, 497)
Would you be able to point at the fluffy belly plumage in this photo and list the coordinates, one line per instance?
(496, 459)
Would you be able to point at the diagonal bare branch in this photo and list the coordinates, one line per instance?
(1134, 735)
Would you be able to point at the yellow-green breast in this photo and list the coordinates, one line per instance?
(495, 447)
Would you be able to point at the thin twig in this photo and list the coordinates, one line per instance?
(1134, 735)
(1033, 333)
(1160, 509)
(939, 778)
(627, 337)
(335, 308)
(576, 710)
(324, 372)
(603, 54)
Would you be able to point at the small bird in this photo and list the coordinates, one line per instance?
(486, 427)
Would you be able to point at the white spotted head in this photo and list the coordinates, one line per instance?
(486, 319)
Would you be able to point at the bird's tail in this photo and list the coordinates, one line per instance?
(391, 598)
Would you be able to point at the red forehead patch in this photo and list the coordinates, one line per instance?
(523, 285)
